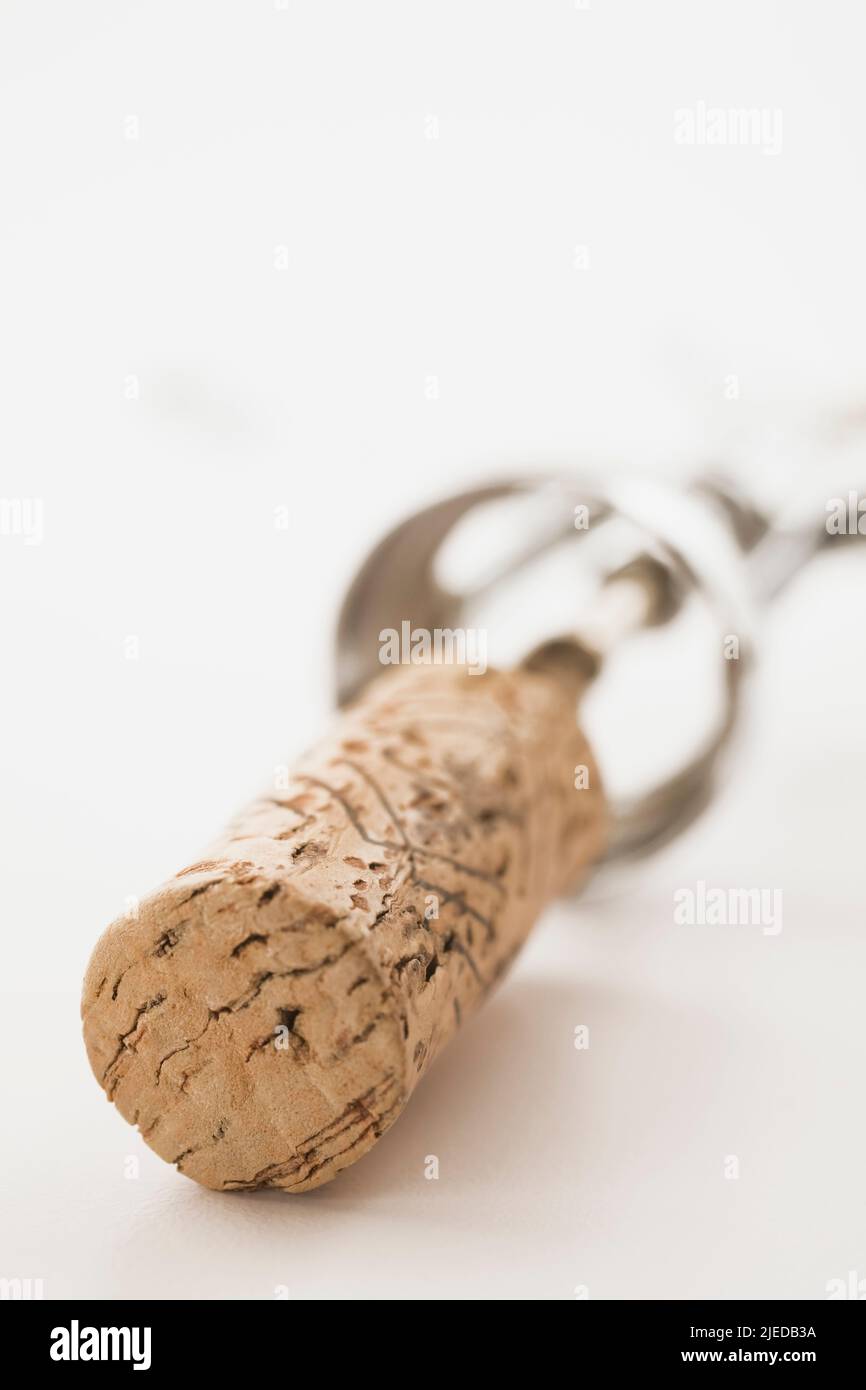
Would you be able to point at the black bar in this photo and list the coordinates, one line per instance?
(209, 1336)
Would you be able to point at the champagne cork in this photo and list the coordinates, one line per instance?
(269, 1011)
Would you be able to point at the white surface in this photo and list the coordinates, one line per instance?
(410, 258)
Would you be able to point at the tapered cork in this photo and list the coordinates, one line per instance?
(268, 1012)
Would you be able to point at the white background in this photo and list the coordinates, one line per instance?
(242, 309)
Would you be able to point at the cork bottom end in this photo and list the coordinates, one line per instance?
(249, 1054)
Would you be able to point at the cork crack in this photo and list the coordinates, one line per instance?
(355, 1113)
(250, 940)
(405, 843)
(124, 1038)
(351, 813)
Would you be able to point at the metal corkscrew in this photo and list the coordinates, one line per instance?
(706, 543)
(270, 1010)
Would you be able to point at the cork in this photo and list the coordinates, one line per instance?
(266, 1014)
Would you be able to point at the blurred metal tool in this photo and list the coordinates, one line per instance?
(706, 542)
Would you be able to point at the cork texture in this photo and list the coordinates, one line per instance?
(267, 1013)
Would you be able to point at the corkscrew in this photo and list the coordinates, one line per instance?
(657, 548)
(266, 1014)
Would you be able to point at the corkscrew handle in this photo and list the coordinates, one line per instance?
(709, 545)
